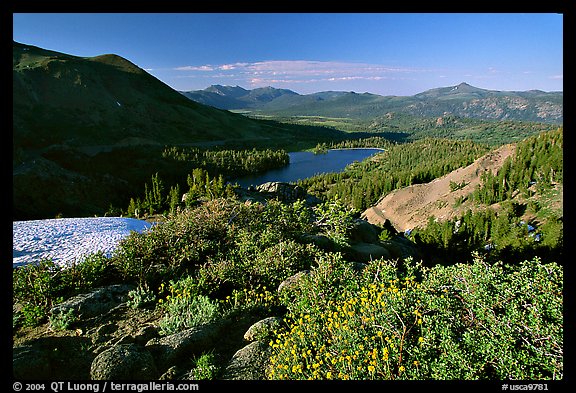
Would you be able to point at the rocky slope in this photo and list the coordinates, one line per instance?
(411, 206)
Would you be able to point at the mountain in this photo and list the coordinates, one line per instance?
(88, 131)
(105, 100)
(462, 100)
(228, 97)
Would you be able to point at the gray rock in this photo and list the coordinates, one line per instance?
(293, 282)
(104, 333)
(363, 232)
(52, 358)
(322, 241)
(124, 362)
(366, 252)
(283, 191)
(403, 248)
(168, 350)
(262, 329)
(249, 363)
(145, 334)
(170, 374)
(94, 303)
(30, 363)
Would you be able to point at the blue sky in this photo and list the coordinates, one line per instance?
(388, 54)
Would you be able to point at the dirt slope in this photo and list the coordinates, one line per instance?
(411, 206)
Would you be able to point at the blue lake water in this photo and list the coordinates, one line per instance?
(305, 164)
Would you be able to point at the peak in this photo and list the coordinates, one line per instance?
(464, 85)
(117, 61)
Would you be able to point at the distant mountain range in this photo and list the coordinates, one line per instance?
(462, 100)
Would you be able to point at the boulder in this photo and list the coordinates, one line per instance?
(52, 358)
(249, 363)
(364, 232)
(30, 363)
(94, 303)
(283, 191)
(292, 282)
(168, 350)
(366, 252)
(402, 248)
(124, 362)
(262, 329)
(321, 241)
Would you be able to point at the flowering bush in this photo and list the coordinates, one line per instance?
(473, 321)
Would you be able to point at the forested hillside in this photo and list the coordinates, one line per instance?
(362, 184)
(513, 214)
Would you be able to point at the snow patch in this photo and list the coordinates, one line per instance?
(68, 240)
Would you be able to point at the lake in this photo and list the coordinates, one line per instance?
(304, 164)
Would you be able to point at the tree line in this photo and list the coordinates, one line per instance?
(228, 162)
(499, 235)
(538, 162)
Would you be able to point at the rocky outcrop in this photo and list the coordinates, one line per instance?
(281, 191)
(96, 302)
(262, 329)
(52, 358)
(124, 362)
(171, 349)
(364, 232)
(292, 283)
(249, 362)
(366, 252)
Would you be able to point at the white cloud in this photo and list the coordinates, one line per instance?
(194, 68)
(302, 71)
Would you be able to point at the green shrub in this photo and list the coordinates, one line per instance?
(250, 264)
(90, 272)
(175, 246)
(386, 234)
(183, 309)
(39, 286)
(205, 367)
(328, 280)
(509, 321)
(249, 298)
(210, 231)
(62, 321)
(36, 286)
(475, 321)
(140, 297)
(335, 219)
(32, 315)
